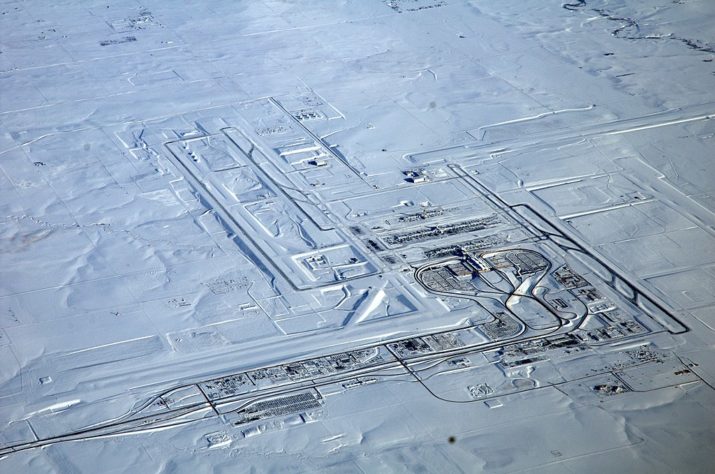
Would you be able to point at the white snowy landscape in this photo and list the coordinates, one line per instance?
(357, 236)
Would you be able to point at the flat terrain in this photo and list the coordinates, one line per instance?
(357, 236)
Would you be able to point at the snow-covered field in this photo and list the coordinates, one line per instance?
(357, 236)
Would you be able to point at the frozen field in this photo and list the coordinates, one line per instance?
(357, 236)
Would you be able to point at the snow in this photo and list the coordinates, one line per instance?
(272, 192)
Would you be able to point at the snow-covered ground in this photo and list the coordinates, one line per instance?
(357, 236)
